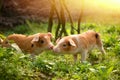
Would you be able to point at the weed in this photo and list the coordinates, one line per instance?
(49, 66)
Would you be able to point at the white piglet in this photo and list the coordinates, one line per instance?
(80, 43)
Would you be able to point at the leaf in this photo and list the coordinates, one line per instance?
(92, 70)
(2, 36)
(110, 70)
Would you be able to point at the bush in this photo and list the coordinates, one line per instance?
(14, 66)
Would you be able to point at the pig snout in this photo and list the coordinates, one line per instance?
(51, 46)
(55, 49)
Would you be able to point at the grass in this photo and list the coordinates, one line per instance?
(50, 66)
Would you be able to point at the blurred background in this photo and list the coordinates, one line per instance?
(14, 12)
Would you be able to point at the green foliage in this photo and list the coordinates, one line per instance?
(22, 29)
(14, 66)
(2, 36)
(35, 27)
(113, 29)
(50, 66)
(44, 66)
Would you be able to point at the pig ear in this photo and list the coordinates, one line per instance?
(58, 40)
(1, 40)
(35, 39)
(71, 43)
(50, 34)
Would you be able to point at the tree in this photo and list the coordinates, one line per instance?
(61, 19)
(70, 17)
(61, 28)
(80, 16)
(50, 23)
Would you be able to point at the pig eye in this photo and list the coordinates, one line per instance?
(6, 42)
(41, 41)
(64, 45)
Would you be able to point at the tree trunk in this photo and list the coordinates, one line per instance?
(62, 14)
(70, 17)
(58, 26)
(80, 16)
(50, 22)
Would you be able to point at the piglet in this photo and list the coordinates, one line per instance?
(79, 43)
(33, 44)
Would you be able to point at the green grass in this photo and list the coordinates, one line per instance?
(50, 66)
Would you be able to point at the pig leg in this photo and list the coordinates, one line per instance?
(102, 51)
(84, 55)
(100, 47)
(75, 57)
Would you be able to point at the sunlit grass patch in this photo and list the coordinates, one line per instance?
(52, 66)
